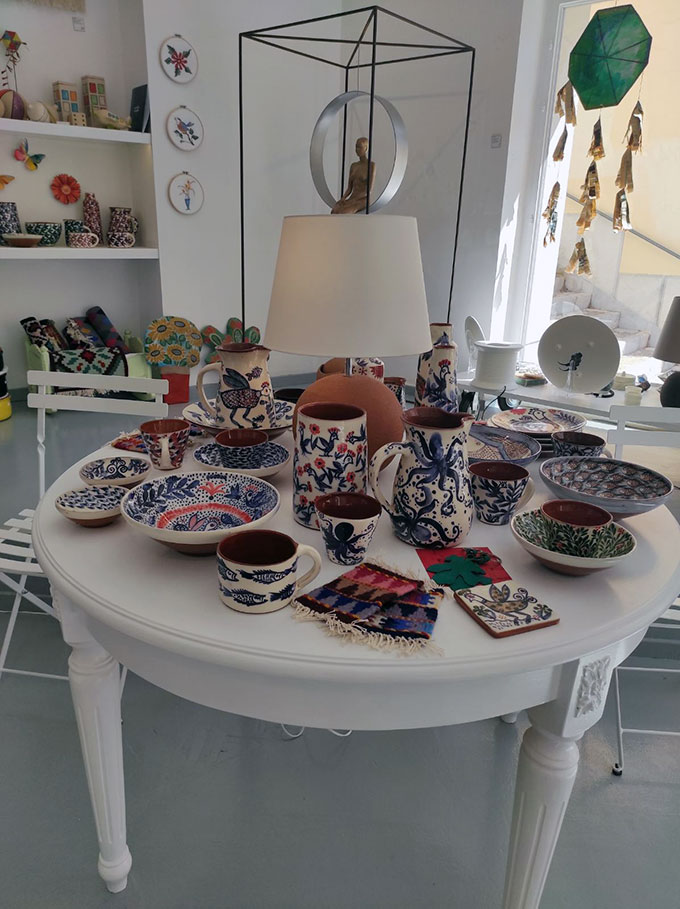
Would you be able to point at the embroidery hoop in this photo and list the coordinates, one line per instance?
(175, 205)
(170, 124)
(164, 66)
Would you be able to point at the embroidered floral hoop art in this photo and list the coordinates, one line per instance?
(65, 189)
(185, 128)
(185, 193)
(178, 59)
(172, 341)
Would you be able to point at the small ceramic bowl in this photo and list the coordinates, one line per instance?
(529, 529)
(241, 438)
(575, 528)
(580, 444)
(261, 460)
(118, 470)
(93, 506)
(49, 231)
(21, 240)
(347, 521)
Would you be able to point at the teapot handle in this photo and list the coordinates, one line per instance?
(199, 387)
(377, 461)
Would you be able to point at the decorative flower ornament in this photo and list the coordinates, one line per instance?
(234, 334)
(172, 341)
(65, 189)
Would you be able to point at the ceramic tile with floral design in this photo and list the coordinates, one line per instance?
(505, 609)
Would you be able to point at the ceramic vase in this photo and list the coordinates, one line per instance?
(330, 456)
(431, 502)
(442, 390)
(9, 220)
(92, 217)
(245, 398)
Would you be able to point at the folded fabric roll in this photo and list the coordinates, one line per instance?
(36, 332)
(105, 329)
(80, 334)
(59, 343)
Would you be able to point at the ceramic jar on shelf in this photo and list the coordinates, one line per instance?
(431, 502)
(245, 398)
(92, 218)
(330, 455)
(123, 227)
(436, 381)
(9, 220)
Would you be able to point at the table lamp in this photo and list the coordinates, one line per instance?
(350, 286)
(668, 349)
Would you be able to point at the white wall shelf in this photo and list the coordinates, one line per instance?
(66, 252)
(66, 131)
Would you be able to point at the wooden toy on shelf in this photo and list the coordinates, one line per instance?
(65, 96)
(94, 97)
(77, 119)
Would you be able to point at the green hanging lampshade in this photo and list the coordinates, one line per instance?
(609, 56)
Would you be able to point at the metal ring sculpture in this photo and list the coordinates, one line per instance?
(319, 139)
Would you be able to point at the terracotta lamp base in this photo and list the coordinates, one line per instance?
(383, 410)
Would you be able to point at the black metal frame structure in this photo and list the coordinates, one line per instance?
(368, 37)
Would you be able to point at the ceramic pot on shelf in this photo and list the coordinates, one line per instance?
(92, 217)
(441, 334)
(9, 220)
(245, 398)
(331, 453)
(122, 223)
(432, 496)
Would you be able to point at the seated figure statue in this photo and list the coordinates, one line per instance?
(354, 198)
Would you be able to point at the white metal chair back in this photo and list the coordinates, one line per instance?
(640, 435)
(44, 400)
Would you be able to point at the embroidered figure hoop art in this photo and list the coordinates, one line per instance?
(178, 59)
(184, 127)
(185, 193)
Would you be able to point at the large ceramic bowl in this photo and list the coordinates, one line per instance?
(620, 487)
(192, 512)
(119, 470)
(93, 506)
(530, 530)
(489, 443)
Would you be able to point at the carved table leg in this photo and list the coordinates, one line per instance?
(95, 688)
(545, 775)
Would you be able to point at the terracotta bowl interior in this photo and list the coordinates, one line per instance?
(435, 418)
(241, 438)
(352, 505)
(498, 470)
(245, 347)
(579, 438)
(395, 380)
(257, 547)
(579, 514)
(163, 427)
(331, 411)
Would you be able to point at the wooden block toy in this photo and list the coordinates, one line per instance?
(65, 96)
(94, 96)
(77, 119)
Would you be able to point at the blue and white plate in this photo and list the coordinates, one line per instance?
(199, 416)
(192, 512)
(256, 460)
(118, 470)
(93, 506)
(538, 421)
(489, 443)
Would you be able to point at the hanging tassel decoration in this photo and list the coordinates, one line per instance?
(624, 178)
(558, 154)
(579, 263)
(634, 131)
(621, 219)
(564, 103)
(585, 219)
(591, 185)
(550, 215)
(596, 150)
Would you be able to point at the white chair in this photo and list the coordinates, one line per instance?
(17, 559)
(641, 434)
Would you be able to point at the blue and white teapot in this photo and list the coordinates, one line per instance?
(432, 494)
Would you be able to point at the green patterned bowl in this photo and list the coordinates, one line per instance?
(49, 230)
(530, 531)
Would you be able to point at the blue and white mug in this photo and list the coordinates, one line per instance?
(347, 521)
(499, 488)
(580, 444)
(257, 570)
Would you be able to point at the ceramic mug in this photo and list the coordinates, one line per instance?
(330, 455)
(574, 528)
(348, 521)
(257, 570)
(82, 239)
(499, 488)
(166, 442)
(579, 444)
(120, 239)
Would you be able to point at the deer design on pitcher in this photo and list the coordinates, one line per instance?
(245, 397)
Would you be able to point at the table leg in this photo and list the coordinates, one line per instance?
(95, 688)
(546, 772)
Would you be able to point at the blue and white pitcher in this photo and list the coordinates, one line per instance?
(436, 380)
(432, 495)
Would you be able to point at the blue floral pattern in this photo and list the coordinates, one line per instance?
(253, 457)
(496, 500)
(117, 468)
(92, 498)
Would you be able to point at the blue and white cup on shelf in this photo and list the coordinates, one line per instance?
(499, 488)
(257, 570)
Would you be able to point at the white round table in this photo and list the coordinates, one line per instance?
(124, 598)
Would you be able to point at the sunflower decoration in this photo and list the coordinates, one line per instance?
(65, 189)
(173, 343)
(154, 353)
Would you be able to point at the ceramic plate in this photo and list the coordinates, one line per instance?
(538, 421)
(473, 332)
(93, 506)
(489, 443)
(579, 354)
(197, 415)
(620, 487)
(528, 528)
(115, 471)
(192, 512)
(256, 460)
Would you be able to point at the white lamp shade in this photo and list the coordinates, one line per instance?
(668, 346)
(348, 286)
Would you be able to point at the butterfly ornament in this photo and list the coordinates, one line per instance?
(21, 153)
(5, 180)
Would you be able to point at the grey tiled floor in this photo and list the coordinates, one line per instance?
(223, 812)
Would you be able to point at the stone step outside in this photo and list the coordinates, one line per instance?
(608, 316)
(631, 341)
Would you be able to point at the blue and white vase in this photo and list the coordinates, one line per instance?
(436, 380)
(331, 455)
(432, 497)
